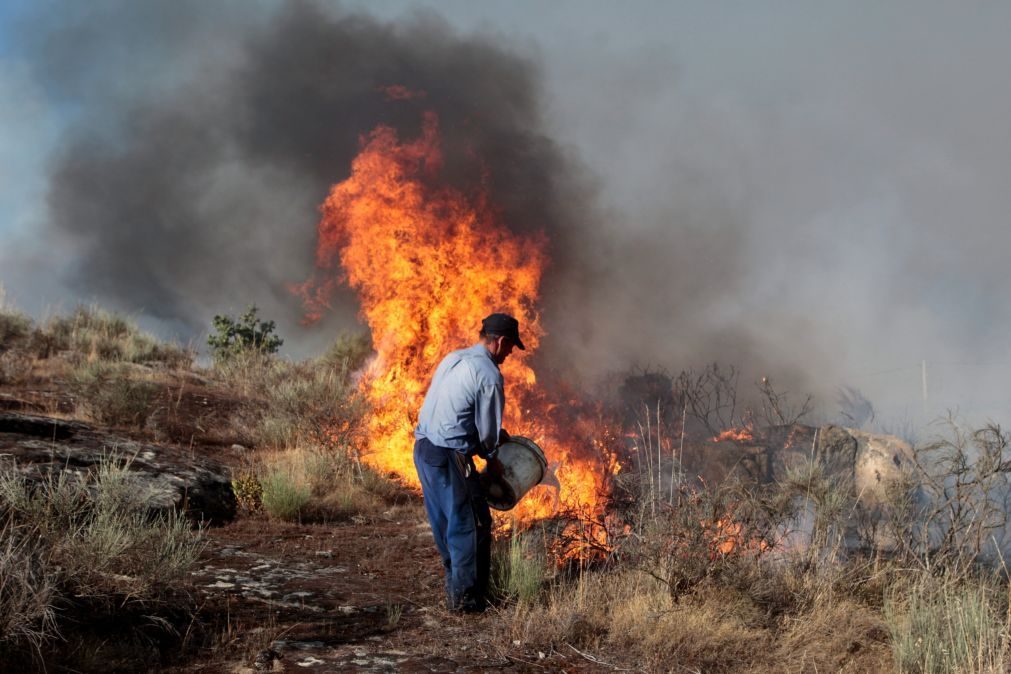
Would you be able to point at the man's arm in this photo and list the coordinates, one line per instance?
(488, 417)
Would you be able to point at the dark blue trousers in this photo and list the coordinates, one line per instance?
(460, 519)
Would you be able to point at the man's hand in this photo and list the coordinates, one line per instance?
(503, 437)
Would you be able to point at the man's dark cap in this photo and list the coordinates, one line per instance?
(505, 325)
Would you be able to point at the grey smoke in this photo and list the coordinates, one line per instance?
(815, 195)
(190, 185)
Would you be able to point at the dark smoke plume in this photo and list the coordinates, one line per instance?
(207, 138)
(206, 141)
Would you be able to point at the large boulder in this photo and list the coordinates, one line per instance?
(170, 477)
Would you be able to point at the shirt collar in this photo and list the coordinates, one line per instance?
(481, 348)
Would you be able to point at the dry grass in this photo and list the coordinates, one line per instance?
(949, 624)
(98, 335)
(113, 393)
(631, 616)
(315, 484)
(85, 543)
(519, 568)
(27, 590)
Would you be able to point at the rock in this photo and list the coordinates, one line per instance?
(173, 478)
(866, 464)
(882, 461)
(264, 660)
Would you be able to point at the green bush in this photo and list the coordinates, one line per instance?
(245, 334)
(283, 497)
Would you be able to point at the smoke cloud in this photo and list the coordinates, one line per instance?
(190, 184)
(816, 196)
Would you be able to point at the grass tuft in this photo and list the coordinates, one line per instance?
(948, 625)
(283, 496)
(519, 568)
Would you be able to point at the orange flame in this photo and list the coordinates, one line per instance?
(727, 536)
(428, 264)
(734, 435)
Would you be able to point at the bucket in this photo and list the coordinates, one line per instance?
(520, 466)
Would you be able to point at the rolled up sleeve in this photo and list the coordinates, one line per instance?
(488, 409)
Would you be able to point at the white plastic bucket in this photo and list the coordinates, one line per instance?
(520, 467)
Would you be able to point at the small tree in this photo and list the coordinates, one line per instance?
(245, 334)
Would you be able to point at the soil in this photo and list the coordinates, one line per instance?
(360, 595)
(353, 596)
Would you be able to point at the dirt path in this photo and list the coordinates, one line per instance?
(354, 596)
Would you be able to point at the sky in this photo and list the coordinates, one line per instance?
(798, 187)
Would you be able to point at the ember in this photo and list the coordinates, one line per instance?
(428, 262)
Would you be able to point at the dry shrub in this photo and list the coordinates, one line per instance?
(96, 548)
(317, 484)
(290, 404)
(15, 366)
(114, 393)
(94, 334)
(14, 328)
(632, 614)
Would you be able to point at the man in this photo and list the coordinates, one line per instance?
(462, 416)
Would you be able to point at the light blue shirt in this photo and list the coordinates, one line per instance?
(464, 404)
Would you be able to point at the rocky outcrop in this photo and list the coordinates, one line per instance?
(170, 477)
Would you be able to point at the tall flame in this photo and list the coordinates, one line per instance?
(428, 264)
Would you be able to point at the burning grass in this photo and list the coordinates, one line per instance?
(797, 575)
